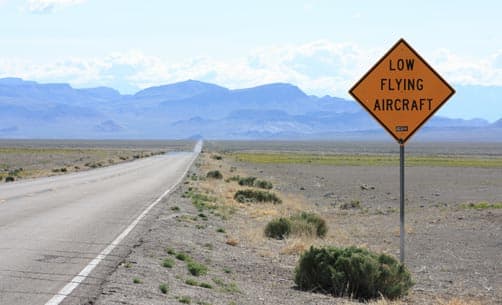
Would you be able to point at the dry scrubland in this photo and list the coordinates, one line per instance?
(208, 245)
(22, 159)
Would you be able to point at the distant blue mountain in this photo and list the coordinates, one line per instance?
(475, 102)
(178, 91)
(194, 109)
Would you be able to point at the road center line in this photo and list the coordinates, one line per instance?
(75, 282)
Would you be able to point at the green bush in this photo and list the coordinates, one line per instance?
(199, 200)
(192, 282)
(216, 174)
(196, 269)
(253, 181)
(163, 288)
(300, 224)
(309, 224)
(185, 299)
(183, 256)
(278, 228)
(217, 157)
(10, 179)
(168, 263)
(206, 285)
(244, 196)
(247, 181)
(137, 280)
(352, 272)
(263, 184)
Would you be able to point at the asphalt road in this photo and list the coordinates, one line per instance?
(51, 228)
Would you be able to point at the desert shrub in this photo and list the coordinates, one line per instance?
(206, 285)
(163, 288)
(233, 178)
(244, 196)
(217, 157)
(352, 272)
(137, 280)
(199, 200)
(10, 179)
(167, 263)
(253, 181)
(183, 256)
(247, 181)
(196, 269)
(353, 204)
(192, 282)
(15, 172)
(263, 184)
(309, 224)
(300, 224)
(216, 174)
(278, 228)
(185, 300)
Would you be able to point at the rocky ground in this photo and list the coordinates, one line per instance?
(453, 252)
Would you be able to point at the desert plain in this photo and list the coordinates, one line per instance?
(453, 219)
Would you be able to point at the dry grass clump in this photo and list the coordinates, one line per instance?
(304, 223)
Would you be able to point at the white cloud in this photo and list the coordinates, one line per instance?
(320, 67)
(47, 6)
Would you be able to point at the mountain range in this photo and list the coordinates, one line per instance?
(193, 109)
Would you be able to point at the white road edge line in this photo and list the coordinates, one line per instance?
(75, 282)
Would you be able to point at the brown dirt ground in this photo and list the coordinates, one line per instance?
(454, 254)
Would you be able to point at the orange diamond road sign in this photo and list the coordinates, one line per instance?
(402, 91)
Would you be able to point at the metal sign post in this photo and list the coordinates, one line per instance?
(401, 203)
(401, 91)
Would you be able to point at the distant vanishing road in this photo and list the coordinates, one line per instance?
(53, 229)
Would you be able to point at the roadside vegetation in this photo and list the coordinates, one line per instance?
(32, 162)
(214, 174)
(254, 182)
(302, 224)
(352, 272)
(263, 240)
(482, 205)
(253, 196)
(368, 160)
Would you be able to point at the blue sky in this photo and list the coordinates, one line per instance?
(322, 46)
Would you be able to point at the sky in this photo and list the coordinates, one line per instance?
(323, 47)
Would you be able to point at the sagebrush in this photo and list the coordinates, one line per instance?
(304, 223)
(246, 196)
(352, 272)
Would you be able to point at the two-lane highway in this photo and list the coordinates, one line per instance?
(52, 229)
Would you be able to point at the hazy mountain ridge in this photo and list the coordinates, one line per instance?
(193, 108)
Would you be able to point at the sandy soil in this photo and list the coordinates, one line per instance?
(451, 251)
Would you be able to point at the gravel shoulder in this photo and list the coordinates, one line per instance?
(452, 252)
